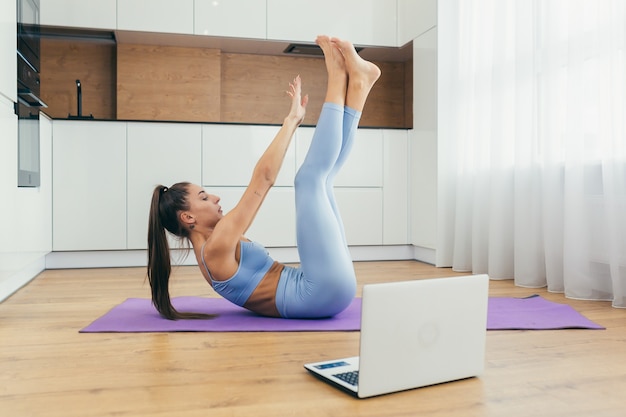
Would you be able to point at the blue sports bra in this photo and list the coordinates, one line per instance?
(254, 262)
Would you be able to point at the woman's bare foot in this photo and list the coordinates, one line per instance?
(362, 74)
(336, 68)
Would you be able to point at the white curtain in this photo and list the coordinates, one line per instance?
(532, 145)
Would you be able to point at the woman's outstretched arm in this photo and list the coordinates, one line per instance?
(268, 166)
(239, 219)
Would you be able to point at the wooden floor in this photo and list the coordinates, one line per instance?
(48, 369)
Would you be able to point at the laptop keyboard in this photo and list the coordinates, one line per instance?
(351, 378)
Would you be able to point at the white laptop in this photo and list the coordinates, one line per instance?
(414, 334)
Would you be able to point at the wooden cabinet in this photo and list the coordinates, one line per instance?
(8, 57)
(364, 22)
(158, 153)
(89, 185)
(93, 14)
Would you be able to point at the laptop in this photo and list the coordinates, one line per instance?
(414, 334)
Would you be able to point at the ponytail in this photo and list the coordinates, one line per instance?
(164, 208)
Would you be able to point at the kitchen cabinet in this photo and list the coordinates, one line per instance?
(26, 233)
(275, 222)
(364, 22)
(424, 145)
(395, 213)
(233, 18)
(93, 14)
(8, 57)
(361, 212)
(158, 153)
(162, 16)
(104, 174)
(415, 18)
(364, 166)
(230, 153)
(358, 186)
(89, 183)
(229, 156)
(35, 203)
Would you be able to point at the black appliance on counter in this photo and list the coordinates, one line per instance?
(28, 92)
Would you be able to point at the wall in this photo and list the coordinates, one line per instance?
(91, 62)
(25, 229)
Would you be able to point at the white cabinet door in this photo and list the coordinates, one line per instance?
(395, 187)
(364, 165)
(358, 186)
(362, 214)
(95, 14)
(232, 18)
(364, 22)
(8, 56)
(158, 153)
(230, 154)
(165, 16)
(415, 18)
(275, 222)
(89, 185)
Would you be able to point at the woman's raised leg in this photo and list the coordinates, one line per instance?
(329, 281)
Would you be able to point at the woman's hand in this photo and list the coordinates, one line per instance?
(298, 103)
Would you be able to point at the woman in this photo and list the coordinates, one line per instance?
(242, 271)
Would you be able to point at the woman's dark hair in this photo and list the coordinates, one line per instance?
(166, 204)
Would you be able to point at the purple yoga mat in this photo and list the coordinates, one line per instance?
(138, 315)
(534, 313)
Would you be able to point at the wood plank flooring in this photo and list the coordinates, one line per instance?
(48, 369)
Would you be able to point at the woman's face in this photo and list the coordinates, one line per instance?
(204, 207)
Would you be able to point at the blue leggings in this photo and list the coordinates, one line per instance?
(325, 282)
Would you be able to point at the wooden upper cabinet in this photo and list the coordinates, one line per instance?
(168, 83)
